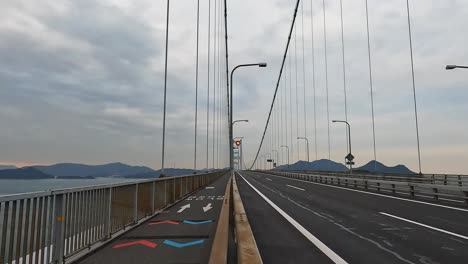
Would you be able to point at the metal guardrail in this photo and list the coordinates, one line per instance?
(454, 194)
(55, 226)
(439, 179)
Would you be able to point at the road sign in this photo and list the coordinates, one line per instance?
(168, 222)
(350, 157)
(238, 142)
(145, 243)
(182, 245)
(269, 160)
(350, 162)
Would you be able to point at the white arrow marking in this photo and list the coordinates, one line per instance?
(183, 208)
(207, 208)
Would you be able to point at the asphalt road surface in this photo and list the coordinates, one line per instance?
(295, 221)
(182, 234)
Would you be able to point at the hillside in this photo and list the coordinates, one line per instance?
(81, 170)
(377, 167)
(318, 165)
(24, 174)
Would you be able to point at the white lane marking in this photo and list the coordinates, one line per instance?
(207, 208)
(319, 244)
(268, 179)
(183, 208)
(295, 187)
(427, 226)
(376, 194)
(210, 187)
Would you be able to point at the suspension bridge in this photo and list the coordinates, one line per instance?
(258, 209)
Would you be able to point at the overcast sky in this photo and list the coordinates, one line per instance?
(82, 81)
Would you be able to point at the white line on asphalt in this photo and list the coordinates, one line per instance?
(319, 244)
(209, 187)
(376, 194)
(295, 187)
(427, 226)
(268, 179)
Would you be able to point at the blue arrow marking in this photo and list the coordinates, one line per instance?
(197, 222)
(182, 245)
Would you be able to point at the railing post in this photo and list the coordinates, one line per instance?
(436, 191)
(135, 205)
(412, 190)
(153, 190)
(59, 229)
(460, 181)
(108, 226)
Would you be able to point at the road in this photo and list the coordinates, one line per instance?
(181, 234)
(294, 221)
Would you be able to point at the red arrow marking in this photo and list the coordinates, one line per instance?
(164, 222)
(139, 242)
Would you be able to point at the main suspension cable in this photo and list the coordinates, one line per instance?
(278, 82)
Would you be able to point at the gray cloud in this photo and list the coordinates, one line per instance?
(82, 81)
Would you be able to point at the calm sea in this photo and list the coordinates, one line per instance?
(23, 186)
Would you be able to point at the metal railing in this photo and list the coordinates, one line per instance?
(455, 194)
(439, 179)
(56, 226)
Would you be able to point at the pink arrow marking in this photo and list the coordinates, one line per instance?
(164, 222)
(145, 243)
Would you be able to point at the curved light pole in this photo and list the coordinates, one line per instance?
(308, 157)
(288, 152)
(349, 139)
(451, 67)
(262, 65)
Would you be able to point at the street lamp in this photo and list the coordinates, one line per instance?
(349, 141)
(451, 67)
(308, 159)
(288, 152)
(261, 65)
(242, 120)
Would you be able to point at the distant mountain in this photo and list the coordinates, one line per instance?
(381, 168)
(168, 173)
(318, 165)
(28, 173)
(7, 167)
(81, 170)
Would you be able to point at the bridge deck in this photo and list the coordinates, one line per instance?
(349, 223)
(182, 234)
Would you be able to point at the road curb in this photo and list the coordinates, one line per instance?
(247, 250)
(219, 249)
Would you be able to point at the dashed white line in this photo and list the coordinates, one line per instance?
(319, 244)
(376, 194)
(426, 226)
(295, 187)
(268, 179)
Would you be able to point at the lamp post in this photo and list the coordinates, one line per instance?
(349, 140)
(288, 152)
(308, 157)
(451, 67)
(231, 123)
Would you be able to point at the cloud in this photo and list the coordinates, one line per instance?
(82, 81)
